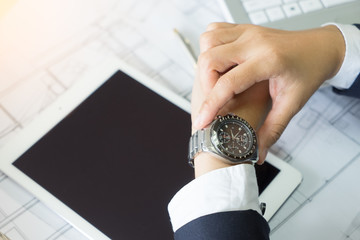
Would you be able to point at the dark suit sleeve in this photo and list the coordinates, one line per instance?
(234, 225)
(354, 90)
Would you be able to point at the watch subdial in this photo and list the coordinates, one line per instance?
(224, 137)
(242, 140)
(232, 147)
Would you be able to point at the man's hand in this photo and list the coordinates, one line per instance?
(252, 105)
(236, 57)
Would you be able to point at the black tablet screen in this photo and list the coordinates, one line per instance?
(117, 160)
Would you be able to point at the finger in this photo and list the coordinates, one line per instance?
(231, 83)
(214, 62)
(217, 37)
(220, 59)
(197, 98)
(217, 25)
(220, 35)
(275, 123)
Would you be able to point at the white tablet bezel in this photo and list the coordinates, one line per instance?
(274, 195)
(281, 187)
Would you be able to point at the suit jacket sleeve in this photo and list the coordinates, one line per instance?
(222, 204)
(354, 90)
(233, 225)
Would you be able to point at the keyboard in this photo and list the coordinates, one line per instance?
(264, 11)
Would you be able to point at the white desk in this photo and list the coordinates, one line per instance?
(61, 41)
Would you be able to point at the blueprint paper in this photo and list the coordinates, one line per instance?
(322, 141)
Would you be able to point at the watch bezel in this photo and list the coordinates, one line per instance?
(250, 155)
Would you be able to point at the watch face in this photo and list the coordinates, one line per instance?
(234, 137)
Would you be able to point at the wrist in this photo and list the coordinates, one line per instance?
(251, 105)
(336, 47)
(205, 162)
(350, 66)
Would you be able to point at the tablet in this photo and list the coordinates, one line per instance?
(110, 153)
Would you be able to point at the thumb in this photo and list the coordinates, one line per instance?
(233, 82)
(274, 125)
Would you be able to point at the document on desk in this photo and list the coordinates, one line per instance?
(63, 40)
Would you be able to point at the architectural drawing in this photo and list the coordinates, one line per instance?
(322, 141)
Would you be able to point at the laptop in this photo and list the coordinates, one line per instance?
(111, 152)
(291, 14)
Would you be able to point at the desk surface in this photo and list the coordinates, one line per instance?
(322, 141)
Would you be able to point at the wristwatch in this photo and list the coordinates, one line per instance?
(230, 137)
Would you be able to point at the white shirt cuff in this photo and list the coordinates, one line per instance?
(350, 68)
(226, 189)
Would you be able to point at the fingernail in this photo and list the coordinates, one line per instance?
(263, 154)
(198, 121)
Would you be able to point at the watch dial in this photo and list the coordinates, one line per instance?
(235, 138)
